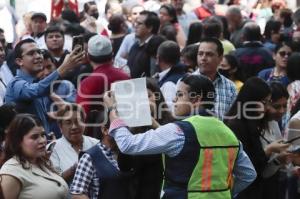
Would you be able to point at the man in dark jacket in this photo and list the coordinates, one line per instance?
(253, 56)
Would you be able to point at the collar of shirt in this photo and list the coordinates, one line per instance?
(218, 75)
(102, 67)
(146, 41)
(211, 10)
(39, 35)
(26, 76)
(162, 74)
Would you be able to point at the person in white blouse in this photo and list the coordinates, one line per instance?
(65, 150)
(168, 55)
(5, 74)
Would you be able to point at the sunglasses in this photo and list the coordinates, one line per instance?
(283, 53)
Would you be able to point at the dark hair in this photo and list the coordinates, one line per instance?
(278, 91)
(18, 48)
(220, 49)
(74, 29)
(53, 29)
(71, 107)
(162, 113)
(190, 52)
(195, 33)
(153, 45)
(7, 114)
(169, 52)
(47, 55)
(70, 16)
(171, 12)
(1, 30)
(271, 27)
(212, 27)
(168, 31)
(152, 21)
(224, 22)
(18, 128)
(115, 23)
(286, 14)
(234, 63)
(87, 36)
(282, 44)
(293, 69)
(201, 85)
(86, 6)
(254, 90)
(251, 32)
(166, 115)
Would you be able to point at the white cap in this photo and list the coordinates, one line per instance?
(99, 45)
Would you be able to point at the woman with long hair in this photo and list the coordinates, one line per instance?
(167, 15)
(26, 172)
(247, 119)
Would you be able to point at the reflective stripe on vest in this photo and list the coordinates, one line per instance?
(212, 176)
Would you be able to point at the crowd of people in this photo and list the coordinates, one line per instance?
(223, 84)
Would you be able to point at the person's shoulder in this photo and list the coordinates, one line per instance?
(12, 166)
(117, 72)
(265, 73)
(227, 81)
(59, 144)
(90, 140)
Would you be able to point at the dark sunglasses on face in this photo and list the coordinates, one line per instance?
(283, 53)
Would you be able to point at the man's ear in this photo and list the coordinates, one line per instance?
(196, 101)
(19, 61)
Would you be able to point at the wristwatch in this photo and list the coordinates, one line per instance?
(109, 109)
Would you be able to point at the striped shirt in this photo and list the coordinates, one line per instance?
(85, 180)
(225, 94)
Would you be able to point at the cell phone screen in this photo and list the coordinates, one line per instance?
(78, 41)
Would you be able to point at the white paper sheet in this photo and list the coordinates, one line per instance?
(132, 102)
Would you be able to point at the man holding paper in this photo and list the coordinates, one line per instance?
(203, 157)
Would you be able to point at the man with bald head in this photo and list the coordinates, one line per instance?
(236, 22)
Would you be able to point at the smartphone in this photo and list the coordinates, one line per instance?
(50, 147)
(78, 41)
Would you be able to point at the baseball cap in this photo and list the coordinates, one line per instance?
(99, 45)
(39, 14)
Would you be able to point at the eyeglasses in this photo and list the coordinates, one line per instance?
(283, 53)
(34, 51)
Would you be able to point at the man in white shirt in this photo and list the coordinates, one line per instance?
(168, 55)
(5, 74)
(38, 25)
(65, 151)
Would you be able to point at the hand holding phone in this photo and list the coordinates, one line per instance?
(78, 41)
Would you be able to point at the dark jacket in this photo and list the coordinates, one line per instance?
(248, 133)
(253, 57)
